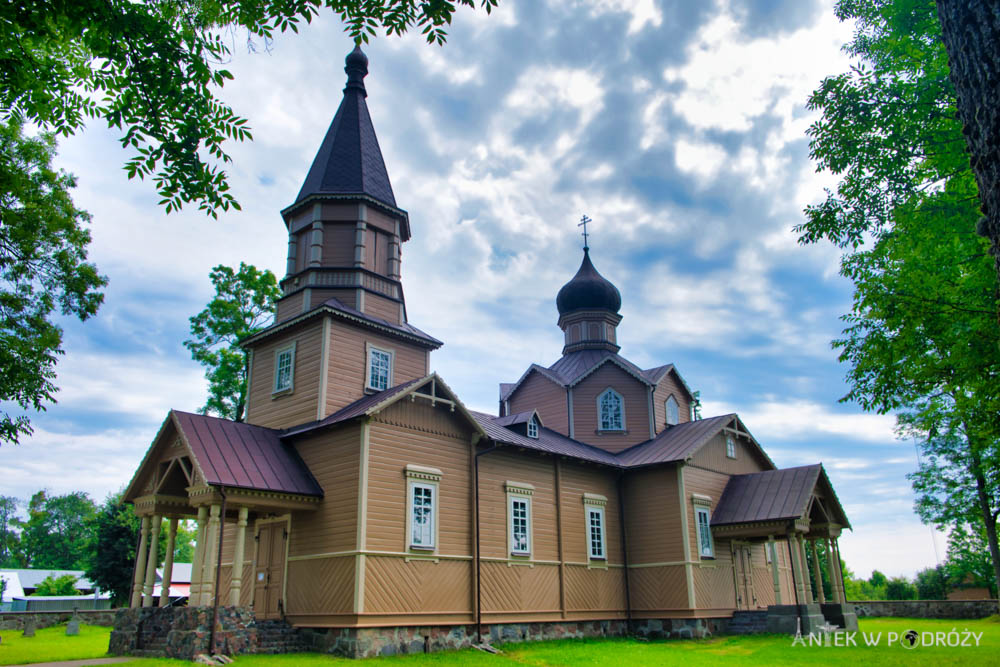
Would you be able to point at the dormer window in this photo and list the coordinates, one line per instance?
(673, 411)
(533, 427)
(611, 409)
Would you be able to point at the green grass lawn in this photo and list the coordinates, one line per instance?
(53, 644)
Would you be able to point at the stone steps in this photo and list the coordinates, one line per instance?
(748, 622)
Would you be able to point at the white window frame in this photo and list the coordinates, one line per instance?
(519, 492)
(677, 411)
(730, 447)
(278, 353)
(422, 477)
(532, 429)
(594, 503)
(600, 416)
(703, 531)
(370, 352)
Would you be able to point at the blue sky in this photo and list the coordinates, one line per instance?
(678, 127)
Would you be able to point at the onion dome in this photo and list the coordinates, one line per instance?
(588, 290)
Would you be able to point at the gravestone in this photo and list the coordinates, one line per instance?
(73, 627)
(29, 627)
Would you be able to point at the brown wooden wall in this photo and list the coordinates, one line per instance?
(539, 393)
(713, 456)
(226, 571)
(348, 362)
(381, 307)
(652, 504)
(705, 483)
(338, 244)
(298, 406)
(585, 417)
(289, 307)
(669, 385)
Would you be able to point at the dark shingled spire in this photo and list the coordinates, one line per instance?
(588, 290)
(349, 161)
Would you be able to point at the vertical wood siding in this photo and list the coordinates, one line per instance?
(289, 307)
(713, 456)
(299, 406)
(332, 456)
(669, 385)
(338, 244)
(585, 417)
(348, 363)
(653, 520)
(414, 432)
(539, 393)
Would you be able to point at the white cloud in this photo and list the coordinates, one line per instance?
(796, 419)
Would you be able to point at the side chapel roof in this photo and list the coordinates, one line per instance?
(774, 495)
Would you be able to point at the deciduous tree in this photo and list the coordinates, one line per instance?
(62, 585)
(115, 539)
(243, 303)
(57, 531)
(921, 339)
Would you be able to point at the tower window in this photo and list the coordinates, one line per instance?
(284, 368)
(379, 369)
(611, 410)
(673, 412)
(533, 427)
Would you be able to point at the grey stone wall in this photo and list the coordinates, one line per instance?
(928, 608)
(182, 632)
(14, 620)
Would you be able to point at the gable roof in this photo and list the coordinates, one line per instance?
(518, 418)
(773, 495)
(548, 441)
(682, 441)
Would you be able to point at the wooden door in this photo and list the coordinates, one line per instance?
(269, 575)
(743, 566)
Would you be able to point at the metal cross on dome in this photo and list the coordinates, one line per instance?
(583, 223)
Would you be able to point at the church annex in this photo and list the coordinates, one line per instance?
(363, 504)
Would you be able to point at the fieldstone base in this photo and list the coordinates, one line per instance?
(369, 642)
(784, 618)
(182, 632)
(680, 628)
(841, 615)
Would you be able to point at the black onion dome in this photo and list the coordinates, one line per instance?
(588, 290)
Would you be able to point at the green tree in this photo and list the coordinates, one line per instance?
(43, 269)
(184, 542)
(8, 536)
(115, 539)
(53, 585)
(932, 583)
(921, 339)
(899, 588)
(57, 534)
(968, 563)
(243, 304)
(152, 70)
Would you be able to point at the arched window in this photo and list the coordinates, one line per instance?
(532, 427)
(611, 411)
(673, 412)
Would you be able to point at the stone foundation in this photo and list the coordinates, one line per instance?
(788, 619)
(370, 642)
(680, 628)
(182, 632)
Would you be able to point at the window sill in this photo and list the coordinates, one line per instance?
(520, 554)
(373, 390)
(282, 392)
(623, 431)
(422, 549)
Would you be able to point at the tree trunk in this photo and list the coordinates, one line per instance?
(989, 519)
(971, 32)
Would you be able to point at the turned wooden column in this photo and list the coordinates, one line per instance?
(817, 573)
(210, 555)
(154, 554)
(194, 596)
(238, 548)
(140, 564)
(168, 563)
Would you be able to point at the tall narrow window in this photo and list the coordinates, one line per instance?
(595, 516)
(284, 368)
(519, 517)
(611, 409)
(730, 447)
(704, 532)
(673, 411)
(533, 427)
(422, 517)
(379, 369)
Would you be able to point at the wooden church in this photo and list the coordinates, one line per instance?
(365, 506)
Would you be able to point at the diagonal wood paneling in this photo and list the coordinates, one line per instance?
(540, 588)
(395, 586)
(713, 587)
(594, 589)
(658, 587)
(320, 586)
(501, 586)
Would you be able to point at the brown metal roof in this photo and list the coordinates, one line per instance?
(547, 441)
(771, 495)
(517, 418)
(355, 409)
(240, 455)
(675, 443)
